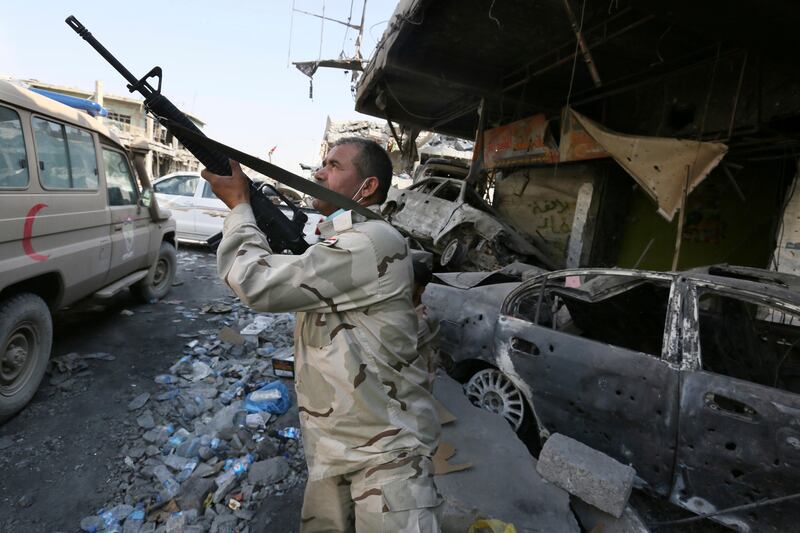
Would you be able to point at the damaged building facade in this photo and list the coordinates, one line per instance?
(650, 136)
(557, 98)
(126, 117)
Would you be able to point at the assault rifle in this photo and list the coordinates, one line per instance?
(282, 234)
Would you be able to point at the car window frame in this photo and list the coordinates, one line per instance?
(669, 346)
(134, 178)
(25, 148)
(178, 177)
(63, 124)
(692, 353)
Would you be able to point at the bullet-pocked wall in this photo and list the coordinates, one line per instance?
(543, 200)
(725, 223)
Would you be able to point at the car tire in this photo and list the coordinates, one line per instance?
(158, 281)
(26, 336)
(491, 390)
(453, 253)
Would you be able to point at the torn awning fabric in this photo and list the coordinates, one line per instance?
(658, 164)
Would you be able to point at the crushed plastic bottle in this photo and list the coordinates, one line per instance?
(166, 379)
(187, 470)
(238, 466)
(289, 433)
(171, 486)
(176, 439)
(135, 520)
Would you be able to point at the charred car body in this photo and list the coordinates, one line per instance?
(447, 217)
(693, 378)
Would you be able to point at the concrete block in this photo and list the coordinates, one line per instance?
(586, 473)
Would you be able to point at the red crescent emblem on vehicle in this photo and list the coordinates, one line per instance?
(26, 237)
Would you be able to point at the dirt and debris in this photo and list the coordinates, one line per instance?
(157, 434)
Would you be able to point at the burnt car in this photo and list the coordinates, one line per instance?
(447, 217)
(693, 378)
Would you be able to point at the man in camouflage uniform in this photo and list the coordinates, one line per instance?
(369, 424)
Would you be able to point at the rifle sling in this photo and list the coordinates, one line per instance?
(273, 171)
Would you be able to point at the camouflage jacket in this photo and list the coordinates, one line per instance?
(360, 389)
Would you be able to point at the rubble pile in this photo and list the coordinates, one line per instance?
(218, 436)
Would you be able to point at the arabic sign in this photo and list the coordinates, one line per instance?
(524, 142)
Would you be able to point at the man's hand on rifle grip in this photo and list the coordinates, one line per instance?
(232, 190)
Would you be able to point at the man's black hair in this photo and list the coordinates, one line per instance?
(372, 160)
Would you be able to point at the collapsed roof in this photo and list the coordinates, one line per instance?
(678, 68)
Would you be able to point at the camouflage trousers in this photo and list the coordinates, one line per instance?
(400, 496)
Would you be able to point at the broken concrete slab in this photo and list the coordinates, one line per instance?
(501, 484)
(587, 473)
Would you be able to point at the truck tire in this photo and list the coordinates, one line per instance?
(26, 336)
(159, 281)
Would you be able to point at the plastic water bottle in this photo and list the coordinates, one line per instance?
(289, 433)
(166, 379)
(171, 487)
(175, 440)
(110, 524)
(241, 465)
(135, 520)
(184, 474)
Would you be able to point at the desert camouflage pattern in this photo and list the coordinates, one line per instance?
(360, 388)
(427, 344)
(396, 497)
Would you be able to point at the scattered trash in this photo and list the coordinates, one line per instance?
(231, 336)
(289, 433)
(491, 525)
(283, 363)
(272, 398)
(139, 401)
(217, 309)
(234, 505)
(206, 453)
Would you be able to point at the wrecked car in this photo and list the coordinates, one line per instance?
(693, 378)
(448, 218)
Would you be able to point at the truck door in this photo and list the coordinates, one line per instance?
(130, 233)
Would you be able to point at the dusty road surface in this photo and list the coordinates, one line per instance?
(72, 452)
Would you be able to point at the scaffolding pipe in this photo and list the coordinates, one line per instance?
(587, 54)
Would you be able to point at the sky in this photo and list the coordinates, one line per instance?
(226, 62)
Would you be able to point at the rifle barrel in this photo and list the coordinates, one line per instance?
(87, 36)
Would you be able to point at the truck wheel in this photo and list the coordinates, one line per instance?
(158, 282)
(26, 335)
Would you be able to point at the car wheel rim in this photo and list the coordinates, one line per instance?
(161, 273)
(492, 391)
(449, 252)
(17, 356)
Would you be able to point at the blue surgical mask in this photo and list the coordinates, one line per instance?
(340, 211)
(334, 214)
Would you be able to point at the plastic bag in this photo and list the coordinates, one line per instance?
(272, 398)
(492, 525)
